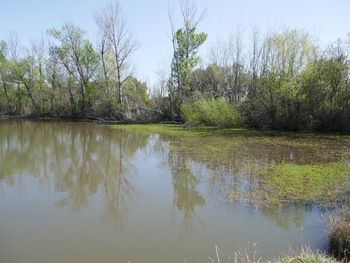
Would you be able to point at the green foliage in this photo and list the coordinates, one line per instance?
(212, 112)
(288, 83)
(187, 44)
(185, 59)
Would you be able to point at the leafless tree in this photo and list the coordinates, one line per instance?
(237, 48)
(13, 46)
(39, 52)
(254, 60)
(114, 30)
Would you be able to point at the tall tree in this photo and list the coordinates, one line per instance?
(116, 35)
(78, 57)
(4, 72)
(185, 45)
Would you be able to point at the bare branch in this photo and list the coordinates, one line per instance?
(114, 30)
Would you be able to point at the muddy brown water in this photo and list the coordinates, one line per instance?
(80, 192)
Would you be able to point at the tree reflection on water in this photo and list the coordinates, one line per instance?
(75, 160)
(79, 161)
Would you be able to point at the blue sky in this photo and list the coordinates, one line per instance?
(328, 19)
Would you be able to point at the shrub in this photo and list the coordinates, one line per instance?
(212, 112)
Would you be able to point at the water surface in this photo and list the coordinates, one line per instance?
(80, 192)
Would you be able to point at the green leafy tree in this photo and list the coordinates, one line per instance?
(79, 60)
(6, 98)
(185, 44)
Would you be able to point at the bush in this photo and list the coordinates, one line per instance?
(212, 112)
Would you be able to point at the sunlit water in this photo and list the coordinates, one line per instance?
(78, 192)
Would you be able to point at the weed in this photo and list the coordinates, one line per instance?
(339, 236)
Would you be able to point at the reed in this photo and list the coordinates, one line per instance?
(339, 235)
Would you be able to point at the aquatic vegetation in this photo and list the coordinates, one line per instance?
(315, 183)
(264, 168)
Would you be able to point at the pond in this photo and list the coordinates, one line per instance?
(82, 192)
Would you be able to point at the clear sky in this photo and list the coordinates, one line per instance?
(328, 19)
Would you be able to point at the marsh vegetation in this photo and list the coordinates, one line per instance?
(269, 168)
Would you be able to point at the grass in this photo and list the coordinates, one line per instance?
(254, 162)
(306, 255)
(339, 236)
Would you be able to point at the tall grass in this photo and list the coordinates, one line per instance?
(306, 255)
(212, 112)
(339, 236)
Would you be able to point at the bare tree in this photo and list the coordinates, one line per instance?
(163, 73)
(113, 27)
(219, 52)
(104, 50)
(254, 60)
(13, 46)
(237, 48)
(39, 49)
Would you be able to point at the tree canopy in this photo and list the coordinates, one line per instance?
(282, 79)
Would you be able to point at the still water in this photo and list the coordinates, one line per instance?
(81, 192)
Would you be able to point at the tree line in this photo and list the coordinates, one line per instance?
(281, 79)
(69, 76)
